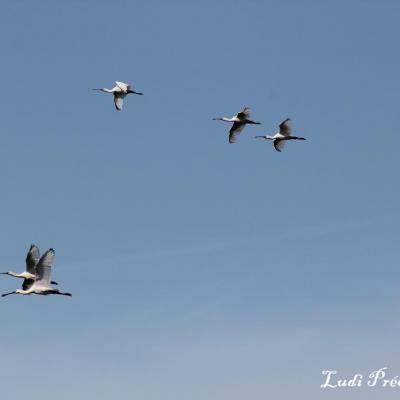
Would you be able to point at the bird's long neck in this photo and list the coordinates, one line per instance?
(105, 90)
(226, 119)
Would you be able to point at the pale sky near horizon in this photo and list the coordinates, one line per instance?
(200, 270)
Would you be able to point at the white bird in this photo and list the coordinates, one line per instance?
(239, 121)
(120, 90)
(32, 258)
(285, 133)
(41, 283)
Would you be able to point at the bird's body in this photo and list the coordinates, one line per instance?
(41, 284)
(240, 120)
(119, 91)
(32, 258)
(284, 134)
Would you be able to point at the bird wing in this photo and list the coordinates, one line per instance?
(285, 128)
(123, 86)
(279, 144)
(32, 258)
(245, 114)
(27, 284)
(118, 101)
(237, 128)
(43, 268)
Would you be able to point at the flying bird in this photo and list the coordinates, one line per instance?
(284, 134)
(119, 91)
(32, 258)
(239, 121)
(41, 283)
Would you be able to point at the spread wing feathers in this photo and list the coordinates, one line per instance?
(285, 127)
(32, 258)
(245, 114)
(118, 101)
(27, 284)
(43, 268)
(236, 129)
(123, 86)
(279, 144)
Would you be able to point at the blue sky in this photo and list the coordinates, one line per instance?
(200, 269)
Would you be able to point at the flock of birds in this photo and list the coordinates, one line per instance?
(36, 277)
(240, 120)
(37, 274)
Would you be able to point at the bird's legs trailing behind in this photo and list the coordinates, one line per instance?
(133, 92)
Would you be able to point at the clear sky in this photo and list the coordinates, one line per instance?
(200, 270)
